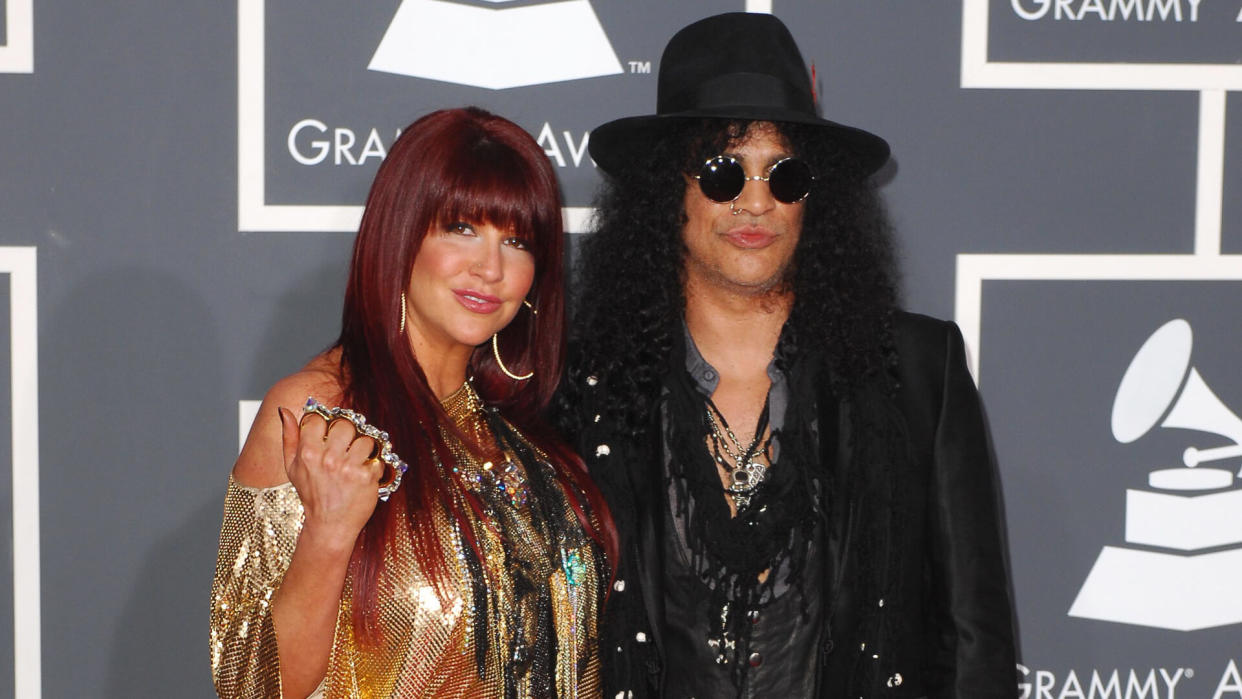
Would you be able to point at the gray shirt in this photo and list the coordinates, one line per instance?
(783, 643)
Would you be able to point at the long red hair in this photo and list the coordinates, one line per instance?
(455, 164)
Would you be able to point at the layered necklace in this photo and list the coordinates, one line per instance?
(515, 610)
(745, 465)
(466, 409)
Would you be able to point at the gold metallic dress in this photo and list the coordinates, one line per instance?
(427, 648)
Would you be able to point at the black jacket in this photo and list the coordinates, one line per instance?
(950, 627)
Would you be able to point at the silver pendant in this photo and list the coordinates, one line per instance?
(743, 480)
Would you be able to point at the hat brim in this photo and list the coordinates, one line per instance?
(611, 143)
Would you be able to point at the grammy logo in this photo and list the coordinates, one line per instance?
(1150, 390)
(1187, 508)
(495, 46)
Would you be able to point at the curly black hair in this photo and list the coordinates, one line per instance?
(630, 303)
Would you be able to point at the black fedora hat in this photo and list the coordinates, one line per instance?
(737, 65)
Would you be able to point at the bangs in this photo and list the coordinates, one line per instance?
(495, 185)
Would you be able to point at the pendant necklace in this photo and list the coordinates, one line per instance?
(746, 471)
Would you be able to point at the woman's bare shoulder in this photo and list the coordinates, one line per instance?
(261, 463)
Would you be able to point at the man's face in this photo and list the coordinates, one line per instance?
(745, 246)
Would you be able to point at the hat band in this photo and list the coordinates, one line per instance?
(748, 90)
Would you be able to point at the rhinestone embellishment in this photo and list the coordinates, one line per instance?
(394, 467)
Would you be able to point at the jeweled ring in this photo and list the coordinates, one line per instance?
(314, 407)
(394, 467)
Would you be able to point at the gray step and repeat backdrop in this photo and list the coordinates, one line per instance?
(180, 181)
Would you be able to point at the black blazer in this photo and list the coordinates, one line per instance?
(952, 633)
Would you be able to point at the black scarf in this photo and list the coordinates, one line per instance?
(875, 438)
(773, 533)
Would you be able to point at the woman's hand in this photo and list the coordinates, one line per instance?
(337, 481)
(337, 489)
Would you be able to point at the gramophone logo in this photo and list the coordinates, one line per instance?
(496, 47)
(1184, 531)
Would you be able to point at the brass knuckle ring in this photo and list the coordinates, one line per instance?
(316, 409)
(394, 467)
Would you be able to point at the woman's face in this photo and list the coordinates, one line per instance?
(468, 281)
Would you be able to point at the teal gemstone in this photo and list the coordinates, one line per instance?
(574, 567)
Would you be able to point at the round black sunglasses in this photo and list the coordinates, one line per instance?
(722, 179)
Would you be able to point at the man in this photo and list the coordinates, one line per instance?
(799, 472)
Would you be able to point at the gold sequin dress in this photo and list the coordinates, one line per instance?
(537, 607)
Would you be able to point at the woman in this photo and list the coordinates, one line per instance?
(480, 573)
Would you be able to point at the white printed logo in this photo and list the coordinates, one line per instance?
(496, 48)
(980, 70)
(20, 265)
(1186, 509)
(17, 51)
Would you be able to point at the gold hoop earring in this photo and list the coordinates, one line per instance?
(402, 312)
(505, 369)
(496, 351)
